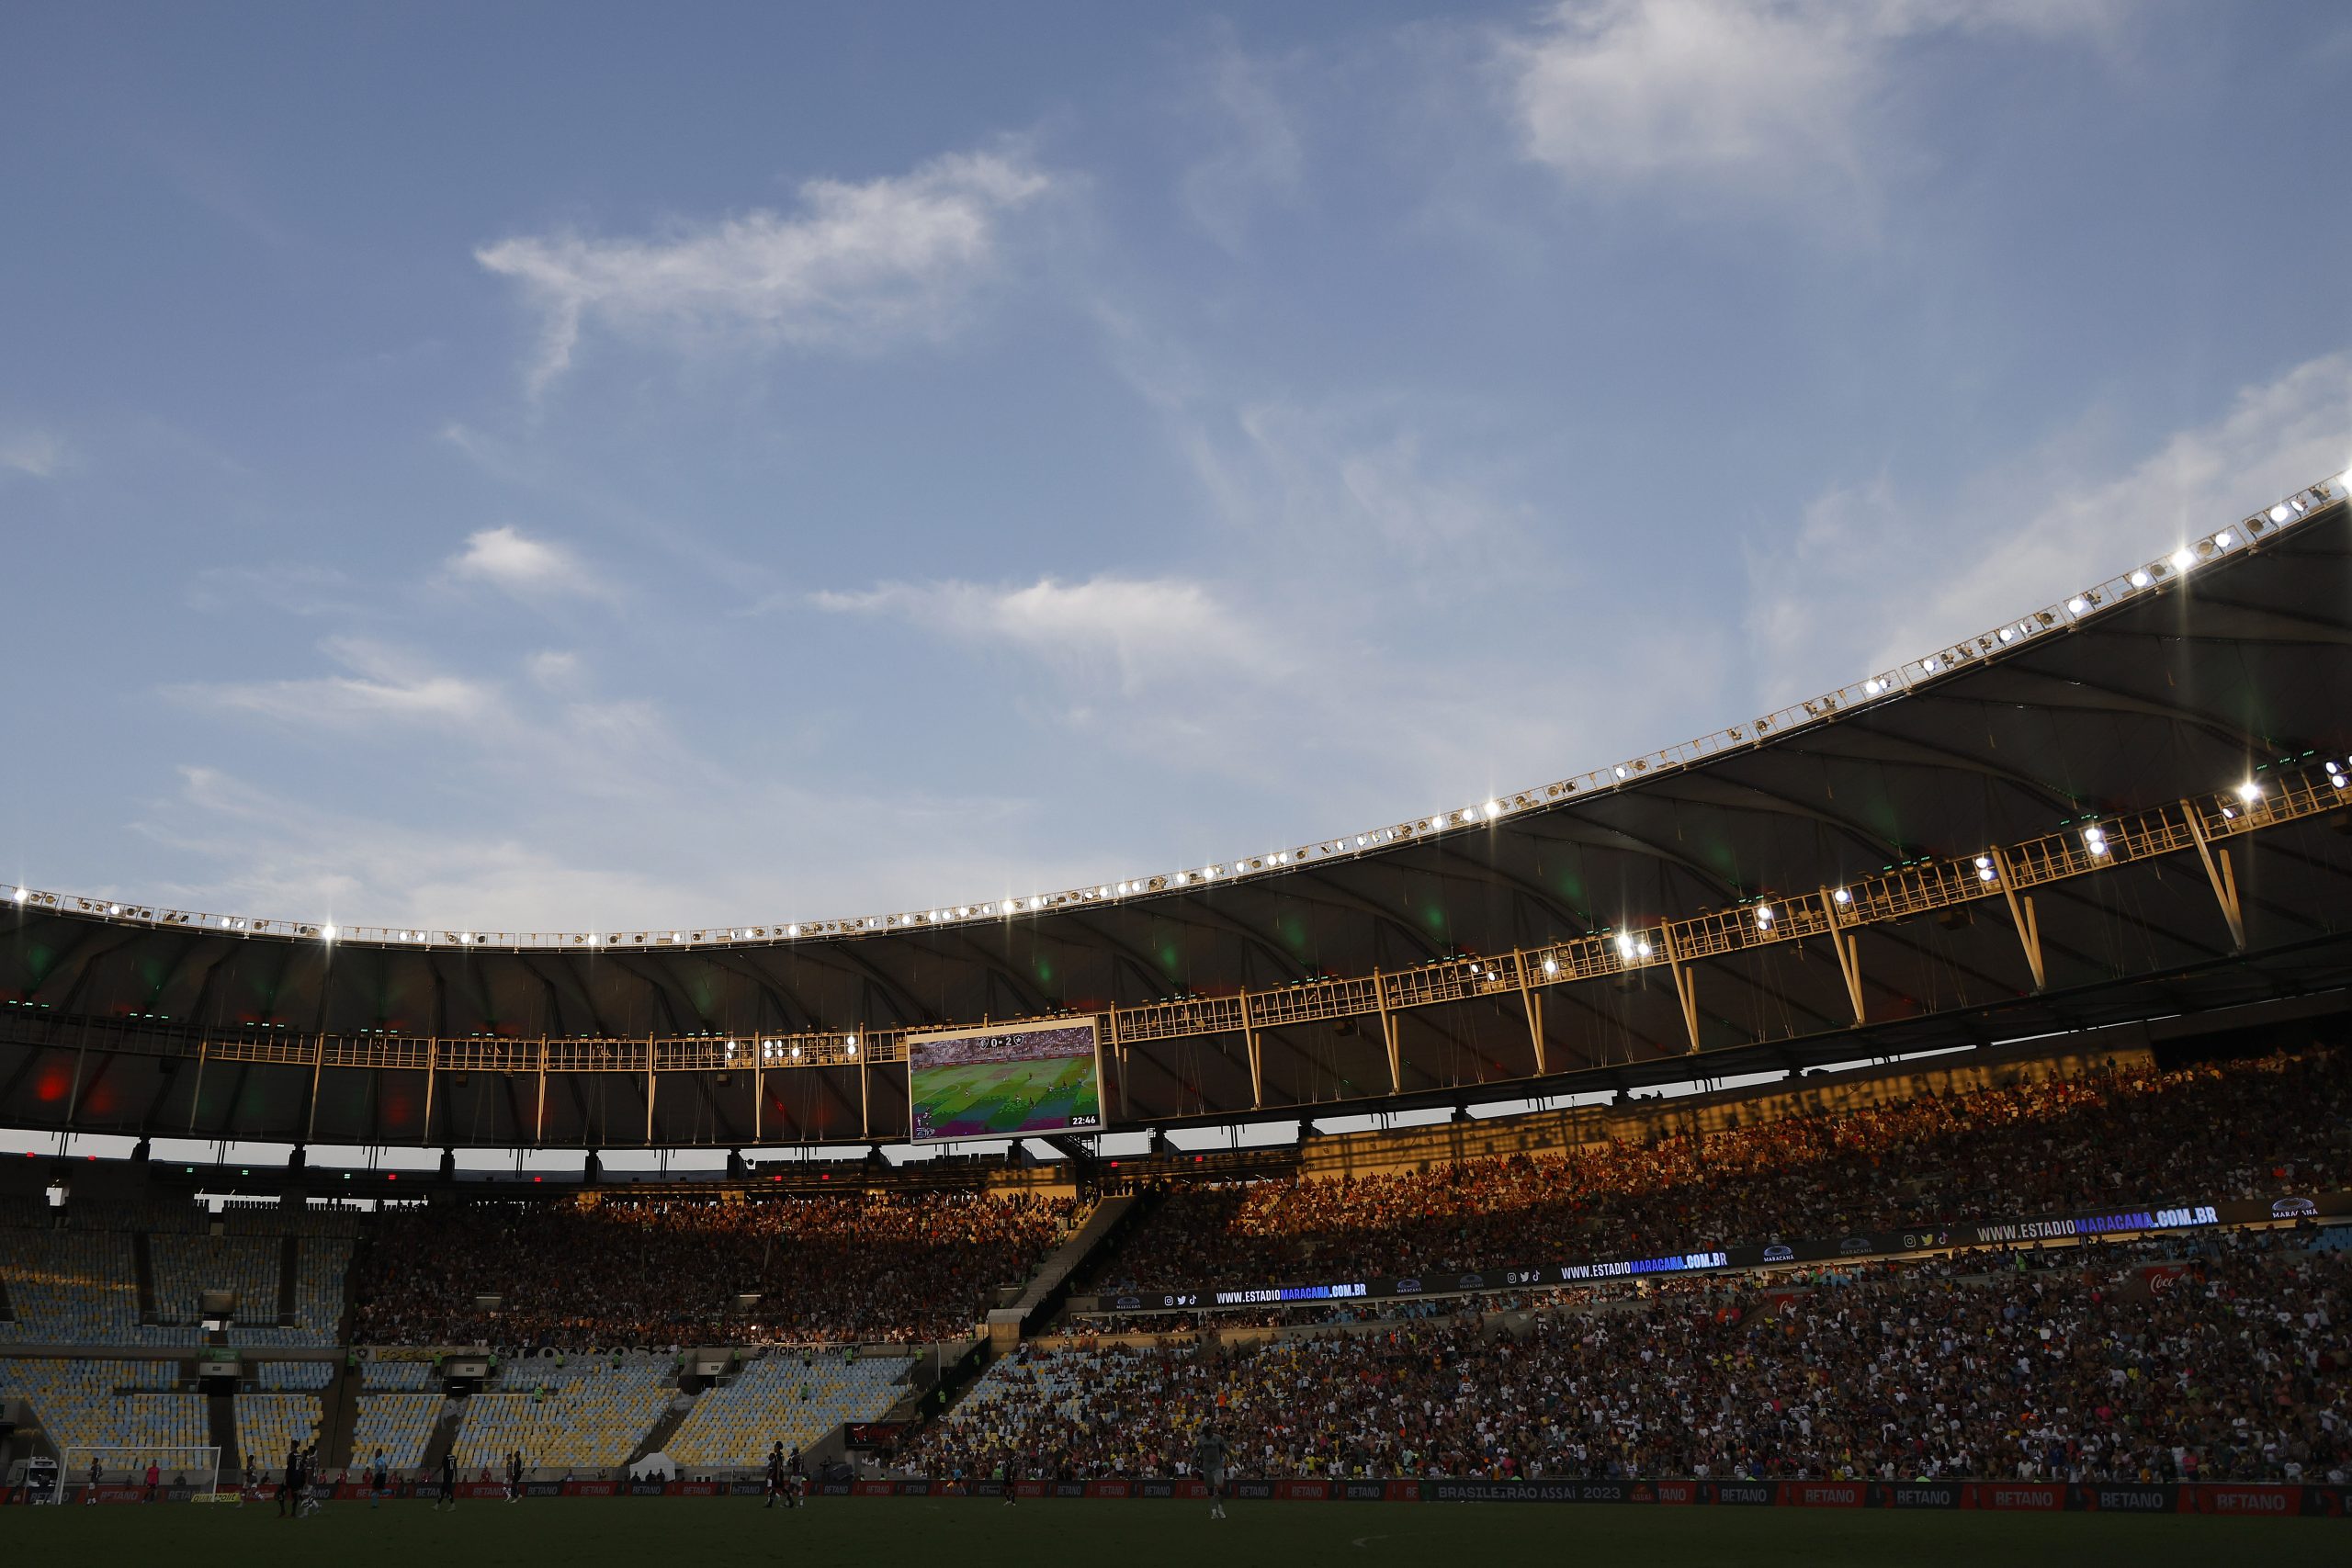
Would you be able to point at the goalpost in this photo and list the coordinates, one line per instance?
(188, 1465)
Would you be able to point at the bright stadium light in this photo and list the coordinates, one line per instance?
(1550, 966)
(21, 895)
(2094, 840)
(2249, 792)
(2279, 513)
(1872, 687)
(795, 1049)
(849, 1044)
(1763, 914)
(326, 933)
(1985, 872)
(1843, 896)
(2140, 578)
(2225, 538)
(1929, 664)
(1493, 810)
(2077, 604)
(2183, 559)
(1624, 945)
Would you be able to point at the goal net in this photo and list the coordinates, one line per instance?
(198, 1467)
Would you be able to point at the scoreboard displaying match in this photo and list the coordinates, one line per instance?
(1005, 1080)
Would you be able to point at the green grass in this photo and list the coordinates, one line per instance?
(961, 1533)
(978, 1097)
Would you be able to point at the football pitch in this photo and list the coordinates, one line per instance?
(977, 1533)
(1003, 1097)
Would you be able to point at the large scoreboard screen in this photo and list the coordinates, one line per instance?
(1006, 1081)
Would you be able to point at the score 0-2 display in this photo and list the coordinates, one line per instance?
(1004, 1081)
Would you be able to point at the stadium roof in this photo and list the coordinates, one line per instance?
(2189, 711)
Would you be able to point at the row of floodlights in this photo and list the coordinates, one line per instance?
(2178, 563)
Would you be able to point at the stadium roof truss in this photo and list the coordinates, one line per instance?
(2128, 806)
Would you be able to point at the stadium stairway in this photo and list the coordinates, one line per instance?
(290, 1260)
(7, 1313)
(445, 1435)
(672, 1419)
(339, 1416)
(1051, 1282)
(144, 1270)
(220, 1414)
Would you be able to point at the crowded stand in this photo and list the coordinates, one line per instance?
(2226, 1359)
(2245, 1128)
(668, 1271)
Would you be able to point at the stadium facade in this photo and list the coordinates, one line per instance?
(2125, 808)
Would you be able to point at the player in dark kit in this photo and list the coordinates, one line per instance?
(1210, 1452)
(1012, 1479)
(775, 1475)
(448, 1480)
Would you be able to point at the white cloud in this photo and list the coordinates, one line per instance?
(513, 562)
(554, 670)
(34, 453)
(1734, 92)
(1876, 575)
(1150, 629)
(857, 266)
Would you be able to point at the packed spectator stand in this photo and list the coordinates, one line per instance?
(2221, 1355)
(2194, 1133)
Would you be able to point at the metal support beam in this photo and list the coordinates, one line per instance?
(1686, 986)
(539, 1116)
(1256, 1060)
(759, 1092)
(1532, 1001)
(865, 1102)
(649, 1089)
(1388, 1032)
(2022, 917)
(1848, 947)
(196, 1094)
(1118, 1054)
(432, 1062)
(2218, 872)
(318, 1061)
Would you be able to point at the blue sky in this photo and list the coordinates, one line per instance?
(572, 466)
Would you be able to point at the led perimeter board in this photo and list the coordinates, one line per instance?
(1004, 1080)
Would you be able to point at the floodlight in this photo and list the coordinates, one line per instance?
(1763, 914)
(1929, 664)
(1493, 808)
(20, 894)
(1550, 966)
(2249, 792)
(1843, 896)
(792, 930)
(2094, 840)
(2077, 604)
(2279, 513)
(2183, 559)
(2140, 578)
(2225, 538)
(1871, 688)
(795, 1048)
(1624, 946)
(326, 933)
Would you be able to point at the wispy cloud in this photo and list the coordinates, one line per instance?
(858, 267)
(36, 453)
(515, 564)
(1972, 556)
(1148, 629)
(1761, 96)
(296, 588)
(1255, 154)
(379, 686)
